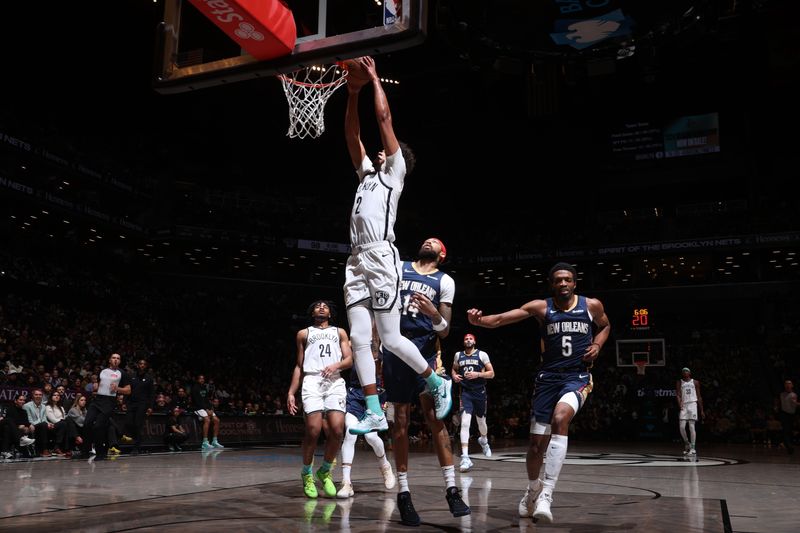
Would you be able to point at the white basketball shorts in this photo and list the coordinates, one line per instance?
(689, 411)
(322, 394)
(373, 274)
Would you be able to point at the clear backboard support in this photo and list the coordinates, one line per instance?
(194, 54)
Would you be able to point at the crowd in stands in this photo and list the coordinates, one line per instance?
(59, 323)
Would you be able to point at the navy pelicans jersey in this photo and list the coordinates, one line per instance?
(322, 349)
(566, 335)
(375, 206)
(474, 362)
(438, 287)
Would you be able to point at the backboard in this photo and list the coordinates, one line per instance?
(650, 351)
(193, 53)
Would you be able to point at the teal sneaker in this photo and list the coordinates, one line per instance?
(370, 422)
(442, 398)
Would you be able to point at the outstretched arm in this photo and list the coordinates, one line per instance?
(352, 127)
(534, 308)
(382, 112)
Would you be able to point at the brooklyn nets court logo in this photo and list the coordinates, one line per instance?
(619, 459)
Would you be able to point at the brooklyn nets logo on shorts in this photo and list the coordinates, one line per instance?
(382, 297)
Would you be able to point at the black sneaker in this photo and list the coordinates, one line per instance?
(457, 505)
(408, 515)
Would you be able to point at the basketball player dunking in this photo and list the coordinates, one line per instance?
(563, 381)
(372, 277)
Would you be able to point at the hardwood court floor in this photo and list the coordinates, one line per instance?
(602, 488)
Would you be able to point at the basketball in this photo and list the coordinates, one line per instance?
(356, 75)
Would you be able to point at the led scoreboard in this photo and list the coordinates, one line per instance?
(641, 319)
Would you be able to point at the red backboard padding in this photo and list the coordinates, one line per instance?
(264, 28)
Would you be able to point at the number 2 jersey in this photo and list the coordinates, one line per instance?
(323, 347)
(566, 336)
(438, 287)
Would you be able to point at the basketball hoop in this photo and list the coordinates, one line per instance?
(307, 91)
(640, 366)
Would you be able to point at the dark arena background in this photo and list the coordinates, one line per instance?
(173, 220)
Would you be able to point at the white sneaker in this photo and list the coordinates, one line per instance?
(528, 501)
(26, 441)
(7, 455)
(443, 398)
(92, 452)
(542, 513)
(484, 442)
(692, 452)
(346, 491)
(466, 463)
(389, 479)
(370, 422)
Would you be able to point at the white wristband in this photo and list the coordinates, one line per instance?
(441, 326)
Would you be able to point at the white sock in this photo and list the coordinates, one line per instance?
(692, 433)
(402, 481)
(346, 473)
(483, 439)
(449, 475)
(556, 452)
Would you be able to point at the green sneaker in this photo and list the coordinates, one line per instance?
(327, 483)
(309, 487)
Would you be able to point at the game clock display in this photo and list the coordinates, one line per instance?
(641, 319)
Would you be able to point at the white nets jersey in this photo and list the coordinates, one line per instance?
(688, 391)
(322, 349)
(375, 206)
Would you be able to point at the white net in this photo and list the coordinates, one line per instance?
(307, 91)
